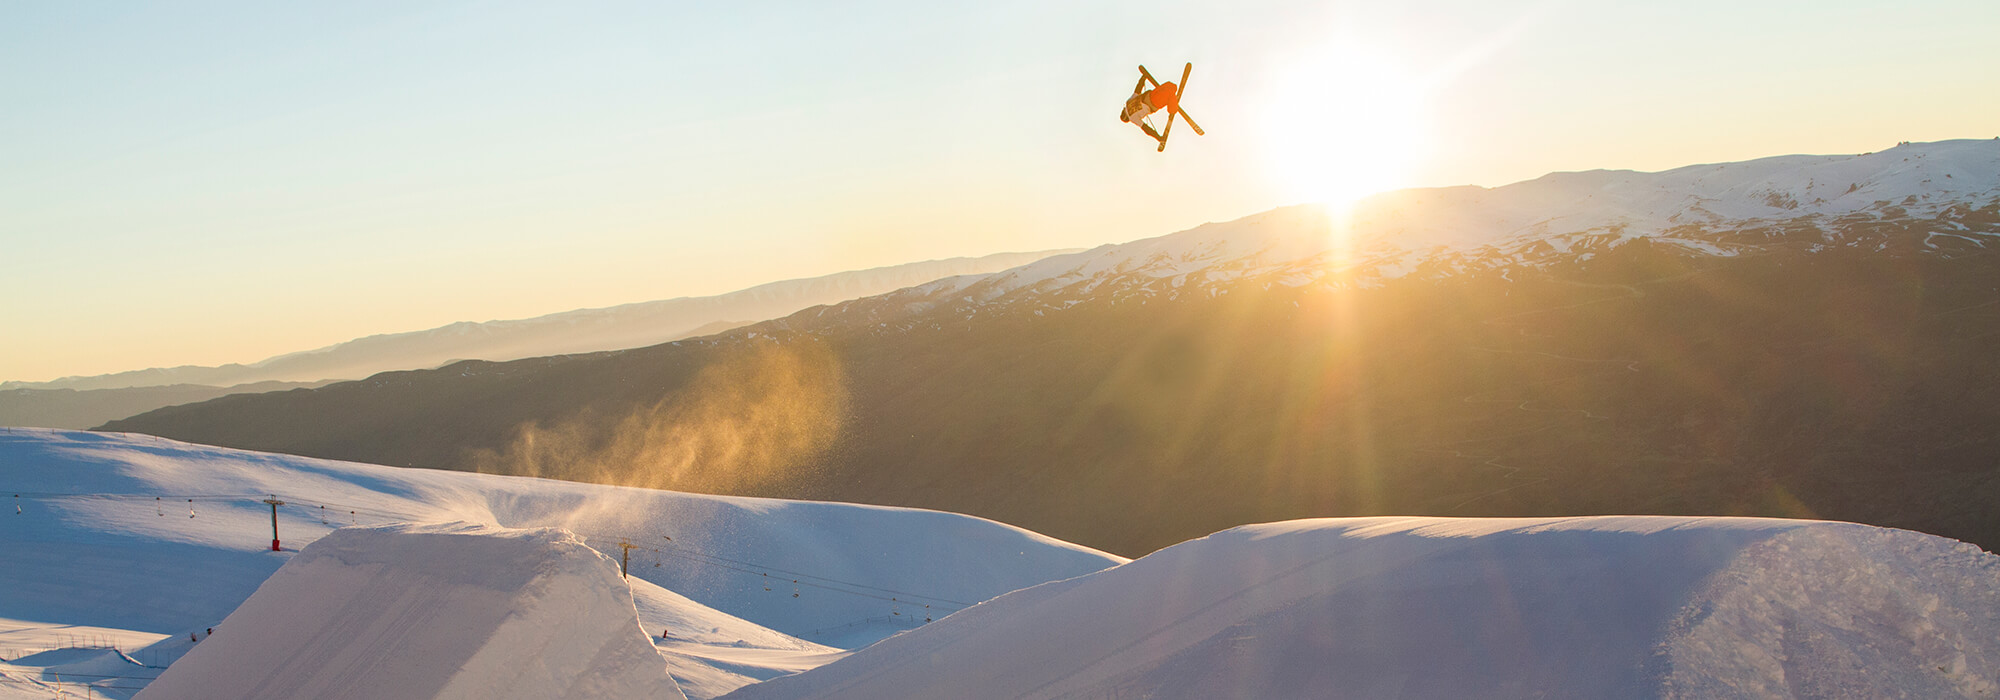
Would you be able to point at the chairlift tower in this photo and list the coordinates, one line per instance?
(274, 520)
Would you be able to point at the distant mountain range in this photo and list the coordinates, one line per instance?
(583, 330)
(82, 402)
(1803, 335)
(70, 408)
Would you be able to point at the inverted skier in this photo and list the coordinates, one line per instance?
(1163, 97)
(1144, 103)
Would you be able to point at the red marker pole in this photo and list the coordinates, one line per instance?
(274, 521)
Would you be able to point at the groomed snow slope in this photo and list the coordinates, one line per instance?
(1606, 607)
(430, 611)
(724, 550)
(90, 546)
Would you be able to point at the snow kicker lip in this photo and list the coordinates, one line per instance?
(430, 611)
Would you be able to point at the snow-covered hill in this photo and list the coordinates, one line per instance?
(151, 541)
(584, 330)
(1938, 190)
(128, 550)
(1607, 607)
(414, 612)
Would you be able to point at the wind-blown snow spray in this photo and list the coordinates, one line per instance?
(758, 411)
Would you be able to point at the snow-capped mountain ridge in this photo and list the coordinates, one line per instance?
(1925, 177)
(1714, 209)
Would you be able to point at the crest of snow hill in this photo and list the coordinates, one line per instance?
(1607, 607)
(164, 547)
(1624, 607)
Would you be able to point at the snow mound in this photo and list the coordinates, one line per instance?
(430, 611)
(1623, 607)
(710, 653)
(136, 543)
(114, 557)
(90, 672)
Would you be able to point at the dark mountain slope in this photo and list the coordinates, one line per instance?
(1802, 336)
(1844, 384)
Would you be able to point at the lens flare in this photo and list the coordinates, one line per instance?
(1344, 123)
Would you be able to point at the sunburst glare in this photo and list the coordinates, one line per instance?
(1343, 122)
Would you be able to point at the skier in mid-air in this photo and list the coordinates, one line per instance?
(1145, 102)
(1163, 96)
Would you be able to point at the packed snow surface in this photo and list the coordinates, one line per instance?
(131, 544)
(1601, 607)
(430, 611)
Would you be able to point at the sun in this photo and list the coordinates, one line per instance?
(1342, 123)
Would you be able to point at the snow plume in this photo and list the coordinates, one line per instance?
(430, 611)
(749, 416)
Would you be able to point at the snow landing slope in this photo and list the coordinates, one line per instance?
(1601, 607)
(430, 611)
(150, 541)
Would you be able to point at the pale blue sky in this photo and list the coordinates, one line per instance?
(200, 183)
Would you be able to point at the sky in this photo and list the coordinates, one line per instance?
(213, 182)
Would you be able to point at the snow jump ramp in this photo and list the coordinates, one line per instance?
(430, 611)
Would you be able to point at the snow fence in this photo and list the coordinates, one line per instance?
(430, 611)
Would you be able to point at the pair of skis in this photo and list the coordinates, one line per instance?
(1176, 111)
